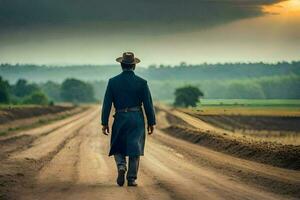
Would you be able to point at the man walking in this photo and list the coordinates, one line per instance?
(127, 92)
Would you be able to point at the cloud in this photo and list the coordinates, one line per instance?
(178, 14)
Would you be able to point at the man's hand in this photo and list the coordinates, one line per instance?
(150, 129)
(105, 129)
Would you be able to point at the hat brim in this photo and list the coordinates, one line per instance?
(120, 60)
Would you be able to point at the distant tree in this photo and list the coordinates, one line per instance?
(187, 96)
(19, 89)
(73, 90)
(22, 88)
(37, 98)
(153, 66)
(52, 90)
(183, 64)
(4, 91)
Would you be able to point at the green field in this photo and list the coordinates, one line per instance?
(5, 106)
(258, 107)
(245, 103)
(250, 102)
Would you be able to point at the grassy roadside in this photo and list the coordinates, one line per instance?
(44, 121)
(256, 107)
(281, 149)
(251, 102)
(279, 155)
(259, 150)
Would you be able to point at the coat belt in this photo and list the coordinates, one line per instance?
(131, 109)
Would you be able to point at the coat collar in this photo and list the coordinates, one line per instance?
(128, 71)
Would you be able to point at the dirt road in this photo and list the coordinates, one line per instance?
(68, 160)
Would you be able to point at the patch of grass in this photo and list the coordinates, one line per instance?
(280, 155)
(42, 121)
(269, 107)
(255, 111)
(5, 106)
(38, 123)
(3, 133)
(251, 102)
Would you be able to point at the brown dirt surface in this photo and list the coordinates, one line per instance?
(271, 111)
(68, 159)
(8, 114)
(232, 122)
(276, 154)
(286, 156)
(276, 136)
(37, 118)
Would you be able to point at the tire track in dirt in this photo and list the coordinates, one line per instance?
(49, 145)
(43, 128)
(73, 164)
(54, 169)
(59, 173)
(98, 172)
(175, 169)
(25, 139)
(82, 170)
(277, 180)
(19, 173)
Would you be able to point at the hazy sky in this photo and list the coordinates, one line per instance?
(158, 31)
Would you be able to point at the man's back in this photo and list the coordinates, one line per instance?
(127, 89)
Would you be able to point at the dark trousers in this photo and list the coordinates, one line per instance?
(133, 165)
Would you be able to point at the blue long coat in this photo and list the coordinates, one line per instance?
(128, 131)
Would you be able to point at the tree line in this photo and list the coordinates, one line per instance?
(183, 71)
(23, 92)
(217, 81)
(273, 87)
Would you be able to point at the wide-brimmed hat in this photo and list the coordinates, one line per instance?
(128, 58)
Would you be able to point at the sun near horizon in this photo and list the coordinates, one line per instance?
(286, 8)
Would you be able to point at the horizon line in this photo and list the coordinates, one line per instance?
(183, 63)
